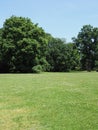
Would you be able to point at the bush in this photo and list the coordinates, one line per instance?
(37, 69)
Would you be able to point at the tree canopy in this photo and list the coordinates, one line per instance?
(87, 44)
(25, 47)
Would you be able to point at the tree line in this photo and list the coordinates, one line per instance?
(26, 48)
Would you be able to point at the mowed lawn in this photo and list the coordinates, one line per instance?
(49, 101)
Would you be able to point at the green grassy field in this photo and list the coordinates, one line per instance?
(49, 101)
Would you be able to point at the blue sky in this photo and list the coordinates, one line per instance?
(61, 18)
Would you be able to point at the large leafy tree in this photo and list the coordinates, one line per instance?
(24, 45)
(95, 35)
(73, 60)
(62, 56)
(55, 56)
(86, 42)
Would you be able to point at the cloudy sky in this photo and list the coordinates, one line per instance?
(61, 18)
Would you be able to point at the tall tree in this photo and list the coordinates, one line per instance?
(95, 40)
(86, 43)
(24, 45)
(61, 56)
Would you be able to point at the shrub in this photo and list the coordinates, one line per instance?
(37, 69)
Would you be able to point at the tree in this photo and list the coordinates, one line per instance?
(86, 44)
(73, 60)
(54, 53)
(95, 40)
(24, 45)
(61, 56)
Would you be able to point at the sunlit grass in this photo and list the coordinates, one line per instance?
(49, 101)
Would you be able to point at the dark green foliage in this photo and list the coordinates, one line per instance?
(87, 42)
(62, 56)
(26, 48)
(22, 43)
